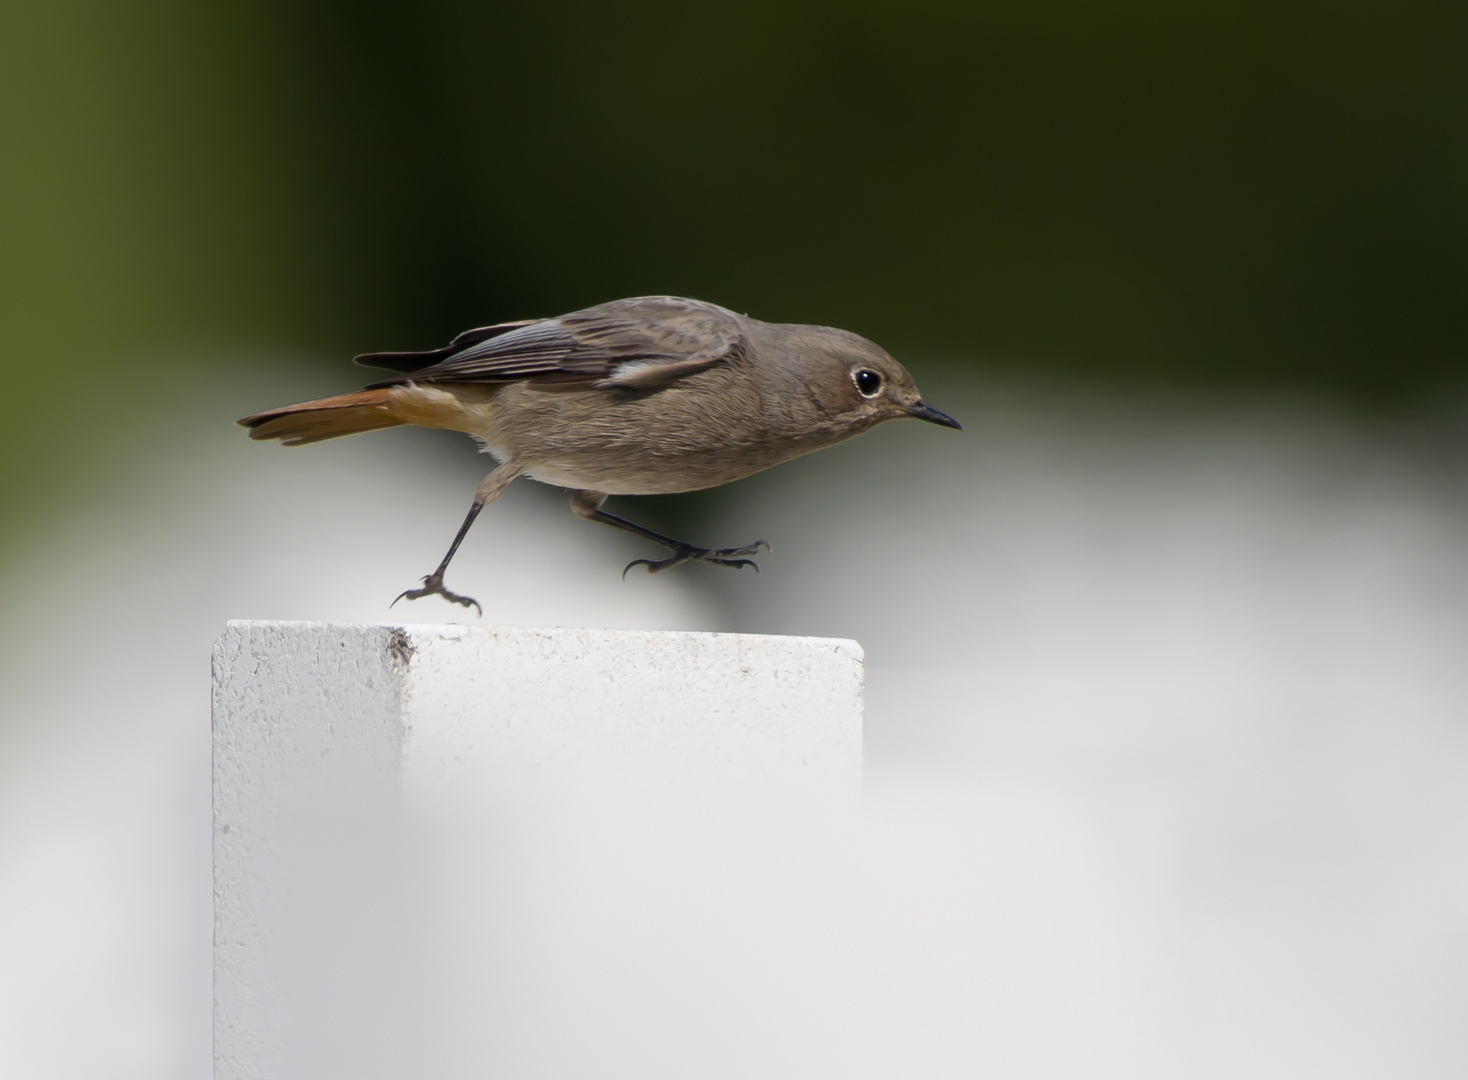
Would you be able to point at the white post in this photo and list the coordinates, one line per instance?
(324, 734)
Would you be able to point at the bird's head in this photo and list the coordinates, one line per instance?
(855, 380)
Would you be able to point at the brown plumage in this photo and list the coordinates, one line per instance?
(634, 397)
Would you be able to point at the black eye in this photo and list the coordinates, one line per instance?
(868, 382)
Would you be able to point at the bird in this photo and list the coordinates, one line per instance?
(649, 395)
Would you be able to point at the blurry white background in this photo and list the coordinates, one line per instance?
(1166, 742)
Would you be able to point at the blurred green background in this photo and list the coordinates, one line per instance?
(1213, 194)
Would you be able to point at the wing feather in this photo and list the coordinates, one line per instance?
(415, 361)
(641, 344)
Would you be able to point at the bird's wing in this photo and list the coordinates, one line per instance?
(640, 344)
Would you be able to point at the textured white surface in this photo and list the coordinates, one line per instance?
(683, 706)
(321, 729)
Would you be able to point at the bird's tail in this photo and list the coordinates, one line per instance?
(312, 421)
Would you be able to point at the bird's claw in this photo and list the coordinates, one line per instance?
(433, 586)
(712, 556)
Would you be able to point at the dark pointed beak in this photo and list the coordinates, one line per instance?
(933, 416)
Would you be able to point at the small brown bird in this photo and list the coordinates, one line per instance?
(645, 396)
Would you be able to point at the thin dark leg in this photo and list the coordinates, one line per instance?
(587, 504)
(433, 583)
(488, 491)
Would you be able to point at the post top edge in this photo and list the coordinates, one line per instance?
(451, 631)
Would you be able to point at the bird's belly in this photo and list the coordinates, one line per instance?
(618, 444)
(638, 474)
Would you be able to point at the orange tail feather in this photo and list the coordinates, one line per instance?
(312, 421)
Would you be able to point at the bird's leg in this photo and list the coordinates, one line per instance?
(490, 488)
(587, 504)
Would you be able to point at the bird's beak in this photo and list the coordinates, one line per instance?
(932, 416)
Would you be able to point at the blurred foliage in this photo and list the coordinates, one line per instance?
(1222, 191)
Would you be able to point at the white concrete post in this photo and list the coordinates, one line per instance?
(324, 734)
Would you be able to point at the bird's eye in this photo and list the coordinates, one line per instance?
(868, 382)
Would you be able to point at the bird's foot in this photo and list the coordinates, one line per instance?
(685, 553)
(433, 586)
